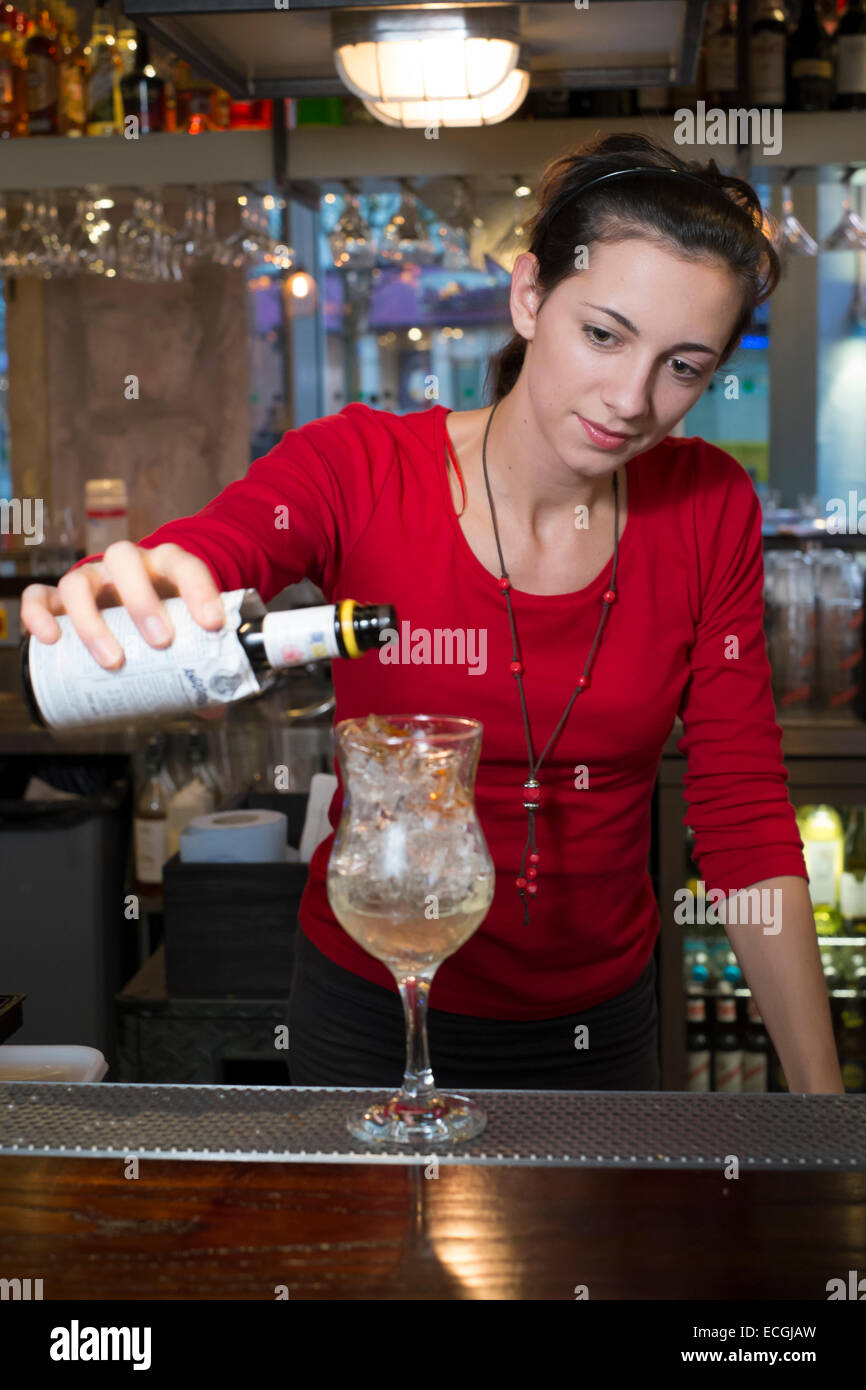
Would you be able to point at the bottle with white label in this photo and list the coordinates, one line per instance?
(768, 48)
(149, 823)
(823, 850)
(852, 883)
(697, 1046)
(727, 1048)
(756, 1052)
(65, 686)
(195, 795)
(851, 58)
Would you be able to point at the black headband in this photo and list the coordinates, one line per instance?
(566, 197)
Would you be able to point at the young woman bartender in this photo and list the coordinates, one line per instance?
(606, 577)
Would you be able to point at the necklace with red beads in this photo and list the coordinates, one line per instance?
(527, 879)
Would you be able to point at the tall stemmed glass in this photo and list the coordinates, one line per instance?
(410, 879)
(791, 236)
(849, 234)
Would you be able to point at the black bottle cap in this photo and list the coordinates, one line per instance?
(371, 619)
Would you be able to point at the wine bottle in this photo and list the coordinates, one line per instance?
(852, 883)
(65, 687)
(104, 104)
(43, 73)
(851, 59)
(143, 93)
(810, 54)
(823, 850)
(768, 42)
(149, 823)
(722, 60)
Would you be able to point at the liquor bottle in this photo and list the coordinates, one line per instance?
(852, 882)
(13, 74)
(221, 109)
(41, 56)
(697, 1046)
(756, 1051)
(143, 93)
(851, 59)
(195, 795)
(65, 686)
(851, 1046)
(74, 77)
(768, 42)
(149, 821)
(823, 850)
(194, 105)
(254, 114)
(727, 1048)
(104, 103)
(127, 45)
(722, 59)
(810, 58)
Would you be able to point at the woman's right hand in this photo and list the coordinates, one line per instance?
(130, 577)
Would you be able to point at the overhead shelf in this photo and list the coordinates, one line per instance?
(282, 48)
(820, 145)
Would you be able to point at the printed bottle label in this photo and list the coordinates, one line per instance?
(151, 849)
(729, 1071)
(767, 66)
(851, 63)
(198, 670)
(298, 635)
(755, 1071)
(698, 1066)
(821, 861)
(852, 895)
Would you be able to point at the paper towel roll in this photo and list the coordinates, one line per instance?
(235, 837)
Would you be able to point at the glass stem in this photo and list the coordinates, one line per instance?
(418, 1081)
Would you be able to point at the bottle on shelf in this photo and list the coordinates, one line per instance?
(104, 103)
(13, 75)
(722, 58)
(195, 796)
(162, 65)
(810, 59)
(851, 58)
(823, 850)
(65, 686)
(149, 822)
(142, 92)
(768, 44)
(194, 96)
(857, 972)
(756, 1051)
(697, 1046)
(833, 977)
(852, 882)
(41, 54)
(252, 114)
(699, 978)
(126, 45)
(851, 1046)
(74, 76)
(727, 1048)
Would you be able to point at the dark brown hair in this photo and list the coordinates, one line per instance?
(674, 213)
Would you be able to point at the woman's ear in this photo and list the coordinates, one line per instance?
(525, 295)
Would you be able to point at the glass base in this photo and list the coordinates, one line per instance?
(440, 1119)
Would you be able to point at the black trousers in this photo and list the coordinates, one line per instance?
(345, 1031)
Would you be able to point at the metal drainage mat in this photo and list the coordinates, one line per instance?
(288, 1124)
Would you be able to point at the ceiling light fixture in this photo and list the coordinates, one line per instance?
(490, 110)
(421, 55)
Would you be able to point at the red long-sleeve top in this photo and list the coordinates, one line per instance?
(371, 518)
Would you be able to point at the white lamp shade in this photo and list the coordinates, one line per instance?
(488, 110)
(447, 67)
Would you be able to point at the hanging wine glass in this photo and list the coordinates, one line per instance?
(849, 234)
(37, 249)
(352, 243)
(8, 255)
(790, 236)
(406, 239)
(90, 246)
(144, 241)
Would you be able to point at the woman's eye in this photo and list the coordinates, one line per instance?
(594, 334)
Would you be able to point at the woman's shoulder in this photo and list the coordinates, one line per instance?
(700, 471)
(382, 427)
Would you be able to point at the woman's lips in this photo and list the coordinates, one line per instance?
(602, 437)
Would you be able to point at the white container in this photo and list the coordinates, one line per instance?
(55, 1063)
(106, 516)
